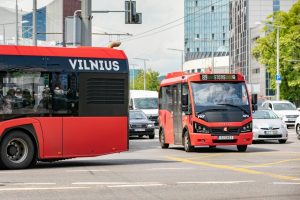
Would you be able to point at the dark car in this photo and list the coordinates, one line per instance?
(140, 125)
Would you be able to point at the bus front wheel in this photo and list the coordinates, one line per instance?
(242, 148)
(187, 142)
(17, 151)
(162, 140)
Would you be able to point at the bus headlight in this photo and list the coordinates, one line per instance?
(199, 128)
(246, 128)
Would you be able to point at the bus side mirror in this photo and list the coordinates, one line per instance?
(254, 101)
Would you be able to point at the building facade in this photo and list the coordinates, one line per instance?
(245, 26)
(50, 20)
(206, 26)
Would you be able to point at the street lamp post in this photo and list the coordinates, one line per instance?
(143, 59)
(182, 56)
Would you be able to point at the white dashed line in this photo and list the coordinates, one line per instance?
(216, 182)
(99, 183)
(286, 183)
(30, 189)
(137, 185)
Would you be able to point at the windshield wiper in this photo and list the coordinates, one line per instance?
(235, 106)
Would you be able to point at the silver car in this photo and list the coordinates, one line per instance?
(268, 126)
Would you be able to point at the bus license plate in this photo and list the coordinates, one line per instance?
(225, 137)
(270, 132)
(139, 130)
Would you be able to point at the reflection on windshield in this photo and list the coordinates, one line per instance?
(146, 103)
(137, 115)
(264, 115)
(209, 94)
(284, 106)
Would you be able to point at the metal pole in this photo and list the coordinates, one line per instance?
(278, 71)
(182, 58)
(17, 23)
(34, 24)
(74, 27)
(212, 57)
(86, 28)
(249, 57)
(4, 34)
(144, 74)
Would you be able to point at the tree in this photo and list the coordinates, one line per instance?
(265, 51)
(152, 82)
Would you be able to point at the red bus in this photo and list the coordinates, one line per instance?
(205, 110)
(58, 103)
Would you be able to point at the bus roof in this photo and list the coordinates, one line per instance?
(78, 52)
(178, 77)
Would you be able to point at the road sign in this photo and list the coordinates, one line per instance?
(278, 78)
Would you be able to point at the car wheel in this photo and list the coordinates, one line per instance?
(187, 142)
(17, 151)
(151, 136)
(282, 141)
(242, 148)
(298, 131)
(162, 141)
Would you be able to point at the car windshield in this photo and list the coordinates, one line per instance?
(137, 115)
(284, 106)
(220, 93)
(264, 114)
(146, 103)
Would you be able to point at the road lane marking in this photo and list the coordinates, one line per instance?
(174, 168)
(273, 163)
(207, 156)
(100, 183)
(285, 183)
(136, 185)
(237, 169)
(53, 188)
(217, 182)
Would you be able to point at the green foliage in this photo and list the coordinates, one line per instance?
(265, 51)
(152, 82)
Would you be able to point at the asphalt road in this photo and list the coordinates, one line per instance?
(266, 171)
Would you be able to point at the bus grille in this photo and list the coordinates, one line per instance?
(105, 91)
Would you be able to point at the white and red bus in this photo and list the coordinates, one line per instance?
(205, 110)
(58, 103)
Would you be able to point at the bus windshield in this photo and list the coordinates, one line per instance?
(146, 103)
(220, 94)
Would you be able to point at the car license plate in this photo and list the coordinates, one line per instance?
(270, 132)
(229, 137)
(139, 130)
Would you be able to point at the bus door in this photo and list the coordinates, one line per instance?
(177, 116)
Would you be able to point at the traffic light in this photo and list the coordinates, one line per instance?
(131, 17)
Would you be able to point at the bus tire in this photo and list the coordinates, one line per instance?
(17, 151)
(162, 140)
(242, 148)
(187, 142)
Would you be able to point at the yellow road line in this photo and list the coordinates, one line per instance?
(273, 163)
(237, 169)
(207, 156)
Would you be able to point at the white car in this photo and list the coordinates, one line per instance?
(283, 109)
(297, 125)
(268, 126)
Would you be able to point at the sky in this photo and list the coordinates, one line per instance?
(153, 47)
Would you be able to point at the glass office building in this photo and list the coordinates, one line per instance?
(206, 26)
(41, 24)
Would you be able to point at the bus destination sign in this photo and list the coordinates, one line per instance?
(218, 77)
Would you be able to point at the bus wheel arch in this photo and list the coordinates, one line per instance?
(18, 148)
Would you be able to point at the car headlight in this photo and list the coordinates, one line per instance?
(150, 125)
(283, 126)
(199, 128)
(246, 128)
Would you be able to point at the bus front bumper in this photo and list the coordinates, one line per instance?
(198, 139)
